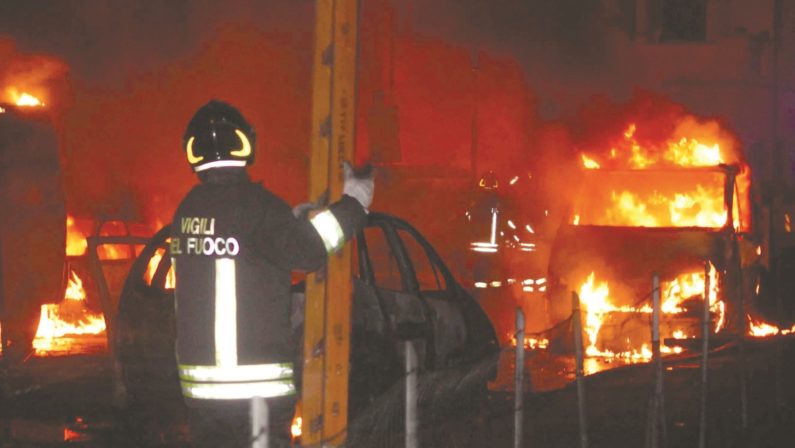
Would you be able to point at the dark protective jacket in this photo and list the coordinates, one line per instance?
(234, 245)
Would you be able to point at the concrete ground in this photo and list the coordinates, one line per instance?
(66, 401)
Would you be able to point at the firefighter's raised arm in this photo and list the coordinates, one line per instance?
(296, 243)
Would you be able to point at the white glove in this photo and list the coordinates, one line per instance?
(359, 188)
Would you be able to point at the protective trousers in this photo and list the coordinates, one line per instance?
(227, 423)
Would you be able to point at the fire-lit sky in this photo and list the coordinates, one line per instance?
(137, 70)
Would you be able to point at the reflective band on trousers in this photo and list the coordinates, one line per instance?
(329, 229)
(227, 374)
(237, 391)
(236, 382)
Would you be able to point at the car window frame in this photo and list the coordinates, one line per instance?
(366, 264)
(392, 224)
(441, 281)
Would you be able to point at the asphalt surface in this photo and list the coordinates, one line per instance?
(65, 401)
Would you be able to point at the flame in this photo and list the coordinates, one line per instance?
(597, 305)
(296, 427)
(593, 299)
(589, 163)
(530, 342)
(691, 144)
(151, 269)
(762, 329)
(759, 329)
(23, 98)
(700, 207)
(689, 285)
(75, 239)
(297, 424)
(689, 152)
(70, 317)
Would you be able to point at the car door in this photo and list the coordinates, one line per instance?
(384, 268)
(431, 281)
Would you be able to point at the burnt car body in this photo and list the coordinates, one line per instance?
(32, 226)
(627, 256)
(402, 291)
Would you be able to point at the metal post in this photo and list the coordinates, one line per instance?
(658, 423)
(518, 409)
(705, 329)
(411, 396)
(259, 423)
(578, 355)
(779, 384)
(743, 323)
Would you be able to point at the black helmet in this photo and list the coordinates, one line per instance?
(218, 136)
(488, 181)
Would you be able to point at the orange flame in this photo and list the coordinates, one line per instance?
(151, 269)
(693, 143)
(589, 163)
(67, 318)
(75, 240)
(654, 199)
(759, 329)
(597, 305)
(530, 342)
(24, 98)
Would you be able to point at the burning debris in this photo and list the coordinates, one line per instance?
(68, 318)
(597, 304)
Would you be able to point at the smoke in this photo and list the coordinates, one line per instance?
(656, 119)
(36, 74)
(140, 70)
(467, 79)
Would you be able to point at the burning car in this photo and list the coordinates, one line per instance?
(680, 208)
(402, 290)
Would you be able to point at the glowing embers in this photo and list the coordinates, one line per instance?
(599, 307)
(70, 317)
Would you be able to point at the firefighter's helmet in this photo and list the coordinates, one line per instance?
(488, 181)
(218, 136)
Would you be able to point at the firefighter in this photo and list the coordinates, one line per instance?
(234, 245)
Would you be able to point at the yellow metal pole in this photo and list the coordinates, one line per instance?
(328, 294)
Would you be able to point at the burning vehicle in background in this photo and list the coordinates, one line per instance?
(32, 226)
(56, 288)
(677, 206)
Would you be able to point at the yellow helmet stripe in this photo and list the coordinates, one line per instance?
(245, 151)
(192, 159)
